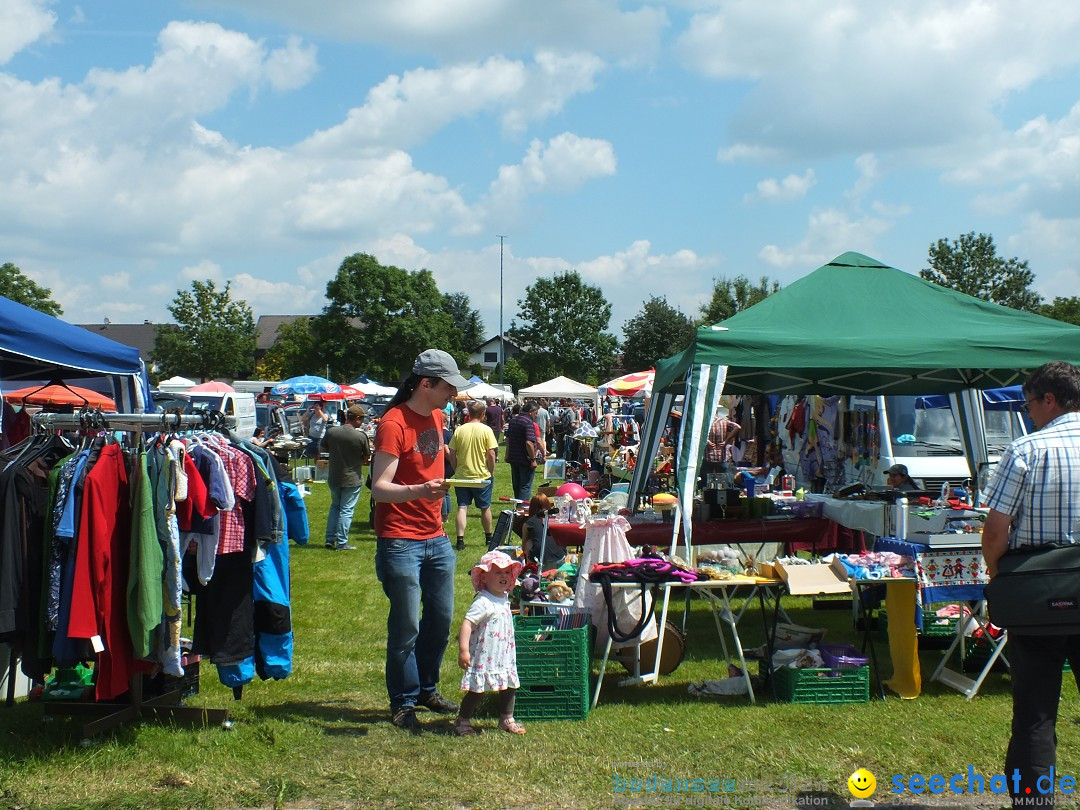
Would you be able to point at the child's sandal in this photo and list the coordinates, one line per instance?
(511, 726)
(464, 728)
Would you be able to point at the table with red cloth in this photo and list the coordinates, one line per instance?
(800, 534)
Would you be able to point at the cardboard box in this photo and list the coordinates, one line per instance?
(549, 491)
(808, 580)
(766, 570)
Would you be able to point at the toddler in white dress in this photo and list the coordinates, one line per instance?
(486, 648)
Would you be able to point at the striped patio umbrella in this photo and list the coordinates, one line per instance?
(637, 384)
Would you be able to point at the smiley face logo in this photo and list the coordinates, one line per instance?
(862, 784)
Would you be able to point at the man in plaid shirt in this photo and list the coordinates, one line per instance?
(1034, 498)
(722, 434)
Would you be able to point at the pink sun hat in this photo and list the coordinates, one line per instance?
(494, 560)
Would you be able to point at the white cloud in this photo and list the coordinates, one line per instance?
(458, 29)
(408, 109)
(23, 22)
(829, 233)
(792, 187)
(827, 76)
(563, 164)
(205, 270)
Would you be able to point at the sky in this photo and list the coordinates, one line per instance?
(651, 147)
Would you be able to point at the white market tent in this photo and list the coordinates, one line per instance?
(372, 389)
(561, 387)
(482, 390)
(175, 385)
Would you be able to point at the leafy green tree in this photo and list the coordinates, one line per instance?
(379, 318)
(24, 290)
(562, 323)
(214, 336)
(294, 352)
(1063, 309)
(971, 265)
(466, 320)
(658, 331)
(513, 375)
(731, 295)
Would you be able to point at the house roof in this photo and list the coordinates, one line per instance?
(136, 335)
(494, 341)
(266, 328)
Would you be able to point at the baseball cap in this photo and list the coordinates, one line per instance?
(897, 469)
(355, 411)
(437, 363)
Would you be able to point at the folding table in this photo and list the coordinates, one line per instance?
(953, 573)
(717, 594)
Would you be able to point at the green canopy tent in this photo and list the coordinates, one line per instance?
(854, 325)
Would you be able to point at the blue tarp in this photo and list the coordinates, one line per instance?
(36, 346)
(1009, 398)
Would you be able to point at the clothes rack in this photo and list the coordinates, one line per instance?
(164, 707)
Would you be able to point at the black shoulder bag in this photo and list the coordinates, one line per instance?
(1037, 590)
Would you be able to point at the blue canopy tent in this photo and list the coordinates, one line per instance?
(1009, 398)
(36, 346)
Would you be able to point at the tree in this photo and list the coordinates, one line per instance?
(379, 318)
(971, 265)
(466, 320)
(513, 375)
(562, 329)
(24, 290)
(214, 336)
(294, 352)
(1063, 309)
(734, 295)
(659, 330)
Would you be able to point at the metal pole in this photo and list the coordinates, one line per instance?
(502, 343)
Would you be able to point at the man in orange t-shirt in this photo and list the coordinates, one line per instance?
(414, 560)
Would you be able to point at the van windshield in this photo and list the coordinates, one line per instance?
(935, 428)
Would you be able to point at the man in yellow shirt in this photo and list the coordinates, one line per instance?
(472, 456)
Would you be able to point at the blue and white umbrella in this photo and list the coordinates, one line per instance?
(586, 431)
(306, 384)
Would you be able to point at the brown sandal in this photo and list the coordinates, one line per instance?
(464, 728)
(511, 726)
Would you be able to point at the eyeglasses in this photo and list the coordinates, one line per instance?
(1027, 403)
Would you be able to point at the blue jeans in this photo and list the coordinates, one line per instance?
(415, 573)
(521, 478)
(342, 505)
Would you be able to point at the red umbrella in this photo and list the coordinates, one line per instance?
(348, 392)
(57, 394)
(212, 387)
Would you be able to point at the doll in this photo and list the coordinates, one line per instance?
(486, 648)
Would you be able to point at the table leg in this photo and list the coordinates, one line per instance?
(868, 634)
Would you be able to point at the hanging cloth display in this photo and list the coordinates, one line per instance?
(605, 542)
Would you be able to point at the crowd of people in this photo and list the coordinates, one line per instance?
(426, 436)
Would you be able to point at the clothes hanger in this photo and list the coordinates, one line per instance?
(58, 382)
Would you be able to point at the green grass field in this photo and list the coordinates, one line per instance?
(322, 738)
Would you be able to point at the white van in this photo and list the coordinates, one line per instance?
(927, 442)
(231, 403)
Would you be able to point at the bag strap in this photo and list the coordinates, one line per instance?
(604, 580)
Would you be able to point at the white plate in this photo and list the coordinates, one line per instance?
(467, 482)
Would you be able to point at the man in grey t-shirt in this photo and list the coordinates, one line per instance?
(349, 452)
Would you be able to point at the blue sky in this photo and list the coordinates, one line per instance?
(653, 147)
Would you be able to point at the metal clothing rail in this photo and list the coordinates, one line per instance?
(96, 420)
(165, 707)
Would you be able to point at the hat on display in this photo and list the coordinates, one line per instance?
(437, 363)
(494, 560)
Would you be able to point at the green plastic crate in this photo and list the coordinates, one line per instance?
(933, 630)
(549, 656)
(823, 685)
(551, 702)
